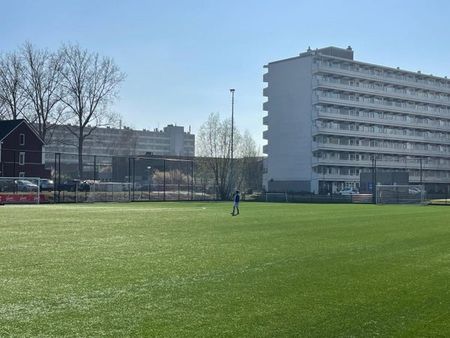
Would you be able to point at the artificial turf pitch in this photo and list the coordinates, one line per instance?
(191, 269)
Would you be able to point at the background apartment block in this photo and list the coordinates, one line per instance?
(172, 140)
(330, 117)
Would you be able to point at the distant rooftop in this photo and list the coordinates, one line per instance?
(344, 53)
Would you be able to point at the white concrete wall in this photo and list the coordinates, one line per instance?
(289, 108)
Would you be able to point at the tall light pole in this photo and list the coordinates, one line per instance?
(232, 123)
(232, 137)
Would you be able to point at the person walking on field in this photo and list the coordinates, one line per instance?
(236, 199)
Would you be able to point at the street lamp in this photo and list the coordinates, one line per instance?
(232, 137)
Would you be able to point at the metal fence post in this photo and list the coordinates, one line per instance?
(95, 168)
(129, 178)
(192, 179)
(134, 177)
(164, 180)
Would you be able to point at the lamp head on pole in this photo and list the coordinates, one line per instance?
(232, 90)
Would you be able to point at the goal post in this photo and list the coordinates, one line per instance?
(400, 194)
(276, 197)
(21, 190)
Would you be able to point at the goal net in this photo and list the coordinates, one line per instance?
(400, 194)
(109, 192)
(276, 197)
(21, 190)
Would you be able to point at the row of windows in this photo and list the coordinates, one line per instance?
(379, 86)
(387, 73)
(364, 99)
(380, 129)
(387, 144)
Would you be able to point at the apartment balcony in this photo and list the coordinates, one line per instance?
(355, 178)
(379, 136)
(265, 149)
(266, 106)
(384, 122)
(266, 91)
(406, 165)
(266, 120)
(373, 77)
(335, 177)
(375, 106)
(266, 77)
(379, 150)
(376, 92)
(265, 134)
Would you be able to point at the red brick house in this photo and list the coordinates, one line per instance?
(21, 150)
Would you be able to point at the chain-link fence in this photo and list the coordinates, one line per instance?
(67, 177)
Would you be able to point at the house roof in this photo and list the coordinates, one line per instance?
(7, 126)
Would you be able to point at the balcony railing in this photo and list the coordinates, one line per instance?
(356, 178)
(394, 81)
(408, 165)
(379, 150)
(376, 106)
(378, 92)
(386, 122)
(380, 136)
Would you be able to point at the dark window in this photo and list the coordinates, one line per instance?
(21, 158)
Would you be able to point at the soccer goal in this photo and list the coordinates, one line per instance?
(276, 197)
(23, 190)
(109, 192)
(400, 194)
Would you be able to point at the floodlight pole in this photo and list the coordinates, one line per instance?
(232, 138)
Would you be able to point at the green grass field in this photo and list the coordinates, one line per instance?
(191, 269)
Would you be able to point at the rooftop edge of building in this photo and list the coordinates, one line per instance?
(334, 52)
(343, 53)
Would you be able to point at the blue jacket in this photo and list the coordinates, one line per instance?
(237, 197)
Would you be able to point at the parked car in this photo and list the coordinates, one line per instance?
(414, 190)
(73, 185)
(348, 192)
(47, 185)
(25, 185)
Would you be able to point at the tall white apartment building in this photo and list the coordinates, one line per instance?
(329, 116)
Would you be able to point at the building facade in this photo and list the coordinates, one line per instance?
(330, 117)
(21, 150)
(172, 140)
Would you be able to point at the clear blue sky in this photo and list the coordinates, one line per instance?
(181, 57)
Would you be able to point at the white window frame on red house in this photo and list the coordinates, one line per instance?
(22, 158)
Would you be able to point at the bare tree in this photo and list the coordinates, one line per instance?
(42, 86)
(214, 150)
(12, 96)
(214, 146)
(249, 169)
(2, 110)
(90, 83)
